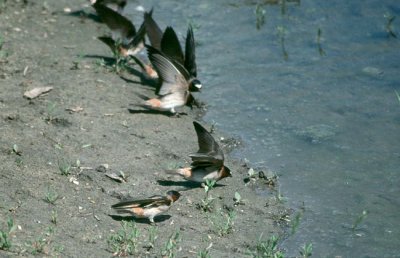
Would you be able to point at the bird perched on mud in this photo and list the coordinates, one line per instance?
(207, 162)
(116, 5)
(125, 41)
(168, 43)
(149, 207)
(175, 83)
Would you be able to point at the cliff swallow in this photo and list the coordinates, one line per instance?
(174, 90)
(168, 43)
(207, 162)
(149, 207)
(124, 40)
(116, 5)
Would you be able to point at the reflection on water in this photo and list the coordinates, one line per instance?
(326, 120)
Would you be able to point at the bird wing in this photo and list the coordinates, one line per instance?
(190, 53)
(209, 151)
(153, 201)
(109, 42)
(173, 75)
(139, 37)
(171, 47)
(120, 26)
(153, 30)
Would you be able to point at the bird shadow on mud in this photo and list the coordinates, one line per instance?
(152, 112)
(82, 14)
(108, 61)
(159, 218)
(187, 185)
(143, 80)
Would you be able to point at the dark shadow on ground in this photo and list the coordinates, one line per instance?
(85, 15)
(160, 218)
(155, 112)
(186, 184)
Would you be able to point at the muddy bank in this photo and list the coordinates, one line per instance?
(52, 147)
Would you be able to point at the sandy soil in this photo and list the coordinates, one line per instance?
(44, 46)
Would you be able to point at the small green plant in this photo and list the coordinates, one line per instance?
(389, 22)
(54, 216)
(99, 64)
(260, 16)
(120, 61)
(296, 222)
(58, 249)
(152, 236)
(38, 246)
(5, 240)
(359, 219)
(171, 245)
(41, 244)
(1, 42)
(238, 199)
(50, 112)
(223, 223)
(267, 249)
(209, 185)
(65, 167)
(172, 165)
(205, 253)
(19, 161)
(306, 250)
(207, 202)
(319, 40)
(281, 31)
(124, 242)
(18, 152)
(3, 54)
(51, 196)
(278, 196)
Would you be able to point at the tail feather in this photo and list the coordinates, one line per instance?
(121, 210)
(172, 171)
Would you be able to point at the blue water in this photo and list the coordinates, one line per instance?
(328, 125)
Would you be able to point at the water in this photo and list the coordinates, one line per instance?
(327, 125)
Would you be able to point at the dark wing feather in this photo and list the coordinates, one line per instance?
(170, 45)
(119, 4)
(173, 75)
(209, 152)
(121, 27)
(153, 30)
(139, 37)
(190, 53)
(153, 201)
(109, 42)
